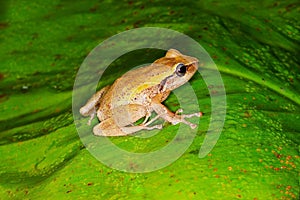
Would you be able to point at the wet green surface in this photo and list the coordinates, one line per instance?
(256, 48)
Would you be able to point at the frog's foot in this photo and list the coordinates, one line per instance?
(107, 128)
(132, 129)
(160, 126)
(181, 118)
(91, 118)
(171, 117)
(180, 110)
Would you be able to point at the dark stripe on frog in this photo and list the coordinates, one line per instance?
(163, 82)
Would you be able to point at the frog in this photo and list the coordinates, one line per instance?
(140, 92)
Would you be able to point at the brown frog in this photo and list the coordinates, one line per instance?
(138, 93)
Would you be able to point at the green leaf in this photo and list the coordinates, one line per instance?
(256, 48)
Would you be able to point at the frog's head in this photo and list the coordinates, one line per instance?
(180, 68)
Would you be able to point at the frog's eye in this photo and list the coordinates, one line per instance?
(180, 69)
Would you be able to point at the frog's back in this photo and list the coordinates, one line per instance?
(137, 86)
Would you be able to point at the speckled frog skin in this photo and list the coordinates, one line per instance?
(138, 93)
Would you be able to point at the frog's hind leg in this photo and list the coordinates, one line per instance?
(133, 129)
(90, 108)
(108, 127)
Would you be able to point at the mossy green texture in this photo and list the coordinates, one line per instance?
(256, 48)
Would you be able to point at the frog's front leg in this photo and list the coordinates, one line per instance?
(90, 108)
(108, 127)
(173, 118)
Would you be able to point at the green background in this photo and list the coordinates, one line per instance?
(255, 45)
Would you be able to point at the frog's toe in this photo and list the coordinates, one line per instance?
(180, 110)
(193, 126)
(198, 114)
(91, 118)
(160, 126)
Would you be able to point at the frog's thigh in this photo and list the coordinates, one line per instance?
(128, 114)
(91, 106)
(121, 117)
(108, 127)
